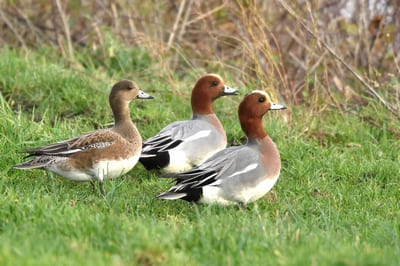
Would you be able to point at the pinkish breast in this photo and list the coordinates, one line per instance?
(270, 156)
(213, 119)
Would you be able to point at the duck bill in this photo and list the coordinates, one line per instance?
(229, 91)
(143, 95)
(275, 106)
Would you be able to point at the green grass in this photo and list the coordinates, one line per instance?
(337, 201)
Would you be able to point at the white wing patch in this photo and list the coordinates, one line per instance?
(99, 145)
(199, 135)
(70, 151)
(247, 169)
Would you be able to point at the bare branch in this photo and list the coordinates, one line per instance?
(331, 51)
(10, 25)
(175, 27)
(66, 29)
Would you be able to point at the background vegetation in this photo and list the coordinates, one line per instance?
(335, 64)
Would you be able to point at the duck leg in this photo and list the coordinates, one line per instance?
(93, 185)
(101, 186)
(243, 206)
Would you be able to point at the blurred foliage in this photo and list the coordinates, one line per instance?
(255, 43)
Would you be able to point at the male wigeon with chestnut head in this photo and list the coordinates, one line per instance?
(184, 144)
(235, 175)
(100, 154)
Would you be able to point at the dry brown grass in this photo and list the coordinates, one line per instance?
(257, 43)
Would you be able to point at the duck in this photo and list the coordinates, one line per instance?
(236, 175)
(100, 154)
(182, 145)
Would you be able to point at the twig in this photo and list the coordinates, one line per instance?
(10, 25)
(133, 29)
(297, 39)
(175, 27)
(395, 56)
(66, 30)
(185, 19)
(26, 20)
(316, 64)
(327, 88)
(331, 51)
(115, 17)
(56, 34)
(298, 61)
(212, 11)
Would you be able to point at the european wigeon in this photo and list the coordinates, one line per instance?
(100, 154)
(235, 175)
(184, 144)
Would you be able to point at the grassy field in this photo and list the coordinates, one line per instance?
(337, 201)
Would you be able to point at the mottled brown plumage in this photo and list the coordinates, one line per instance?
(100, 154)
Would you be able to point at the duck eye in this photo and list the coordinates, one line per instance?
(214, 83)
(261, 99)
(130, 87)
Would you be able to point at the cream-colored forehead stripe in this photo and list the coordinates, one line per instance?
(261, 92)
(217, 76)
